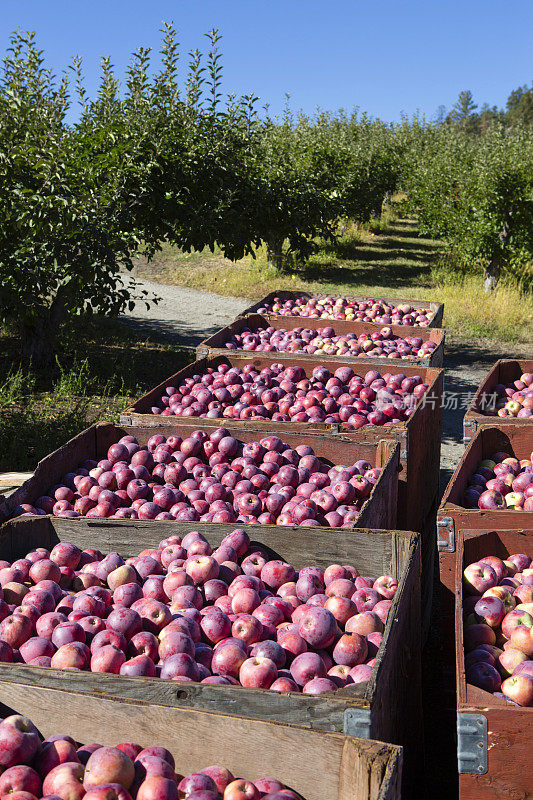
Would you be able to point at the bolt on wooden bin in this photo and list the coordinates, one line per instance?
(378, 510)
(283, 294)
(216, 344)
(419, 436)
(505, 371)
(494, 737)
(315, 764)
(387, 707)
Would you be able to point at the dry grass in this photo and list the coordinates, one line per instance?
(387, 259)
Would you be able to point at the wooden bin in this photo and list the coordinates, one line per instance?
(283, 294)
(419, 436)
(378, 511)
(215, 344)
(517, 440)
(499, 734)
(504, 371)
(315, 764)
(388, 707)
(452, 516)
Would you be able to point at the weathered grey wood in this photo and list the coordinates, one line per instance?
(376, 552)
(215, 345)
(379, 510)
(308, 546)
(317, 765)
(392, 696)
(288, 294)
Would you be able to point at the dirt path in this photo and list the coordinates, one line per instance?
(183, 316)
(186, 317)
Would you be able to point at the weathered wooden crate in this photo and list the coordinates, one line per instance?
(283, 294)
(315, 764)
(378, 511)
(452, 515)
(215, 344)
(494, 738)
(419, 436)
(388, 707)
(504, 371)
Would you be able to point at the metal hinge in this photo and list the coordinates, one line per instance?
(472, 744)
(401, 437)
(471, 425)
(357, 722)
(445, 535)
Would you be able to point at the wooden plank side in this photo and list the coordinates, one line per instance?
(323, 711)
(284, 294)
(373, 552)
(95, 441)
(215, 344)
(380, 510)
(504, 371)
(391, 788)
(52, 467)
(139, 412)
(396, 704)
(517, 441)
(312, 763)
(509, 727)
(418, 490)
(369, 771)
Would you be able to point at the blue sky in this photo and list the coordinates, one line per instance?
(384, 57)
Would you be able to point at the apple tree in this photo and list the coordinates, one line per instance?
(476, 193)
(66, 196)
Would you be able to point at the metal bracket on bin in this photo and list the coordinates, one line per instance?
(472, 744)
(469, 428)
(357, 722)
(401, 437)
(125, 420)
(445, 535)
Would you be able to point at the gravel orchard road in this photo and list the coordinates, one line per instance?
(183, 316)
(187, 316)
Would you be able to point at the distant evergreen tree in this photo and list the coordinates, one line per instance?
(463, 112)
(520, 106)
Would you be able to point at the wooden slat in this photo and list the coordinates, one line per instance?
(317, 765)
(392, 696)
(215, 344)
(504, 371)
(284, 294)
(509, 728)
(379, 510)
(517, 440)
(420, 435)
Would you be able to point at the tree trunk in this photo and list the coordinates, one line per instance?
(493, 267)
(491, 275)
(275, 254)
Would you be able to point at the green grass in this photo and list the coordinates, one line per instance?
(102, 368)
(387, 258)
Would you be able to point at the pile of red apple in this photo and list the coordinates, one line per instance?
(501, 482)
(182, 611)
(286, 394)
(370, 310)
(59, 768)
(212, 478)
(515, 400)
(498, 627)
(378, 344)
